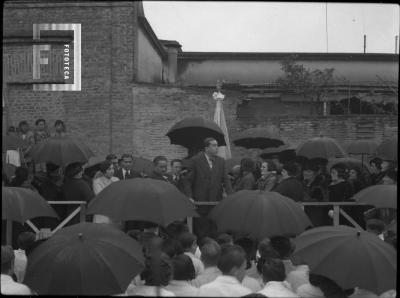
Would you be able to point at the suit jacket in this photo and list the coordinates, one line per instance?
(181, 184)
(132, 174)
(205, 183)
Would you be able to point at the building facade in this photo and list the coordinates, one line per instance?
(134, 86)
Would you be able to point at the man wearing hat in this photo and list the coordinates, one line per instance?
(8, 285)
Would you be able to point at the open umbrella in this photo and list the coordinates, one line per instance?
(387, 150)
(285, 152)
(350, 257)
(20, 204)
(84, 259)
(381, 196)
(362, 147)
(190, 132)
(320, 147)
(259, 137)
(142, 199)
(61, 151)
(13, 143)
(349, 162)
(260, 214)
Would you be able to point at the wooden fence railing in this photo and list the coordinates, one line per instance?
(81, 209)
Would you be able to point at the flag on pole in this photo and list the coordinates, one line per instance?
(219, 118)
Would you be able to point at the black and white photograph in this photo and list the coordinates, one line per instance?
(200, 148)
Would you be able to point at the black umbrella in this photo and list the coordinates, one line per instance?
(285, 152)
(259, 137)
(190, 132)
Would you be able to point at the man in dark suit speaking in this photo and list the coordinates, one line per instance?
(207, 177)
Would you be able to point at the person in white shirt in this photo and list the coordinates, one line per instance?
(157, 275)
(183, 272)
(8, 285)
(210, 253)
(274, 279)
(99, 183)
(232, 264)
(25, 240)
(320, 286)
(189, 245)
(298, 277)
(248, 246)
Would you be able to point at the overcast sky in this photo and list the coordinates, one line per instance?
(275, 26)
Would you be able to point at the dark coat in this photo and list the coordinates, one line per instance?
(181, 183)
(340, 192)
(132, 174)
(316, 190)
(291, 188)
(77, 190)
(205, 183)
(247, 182)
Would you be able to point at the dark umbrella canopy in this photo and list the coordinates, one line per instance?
(21, 204)
(142, 199)
(349, 162)
(381, 196)
(190, 132)
(285, 152)
(61, 151)
(361, 147)
(13, 143)
(320, 147)
(387, 150)
(350, 257)
(259, 137)
(260, 214)
(84, 259)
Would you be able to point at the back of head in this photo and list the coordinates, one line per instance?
(25, 240)
(21, 175)
(172, 247)
(282, 246)
(224, 238)
(210, 253)
(248, 246)
(72, 169)
(158, 270)
(290, 168)
(7, 259)
(183, 267)
(187, 240)
(273, 270)
(232, 256)
(247, 165)
(104, 166)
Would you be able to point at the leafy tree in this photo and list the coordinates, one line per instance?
(311, 84)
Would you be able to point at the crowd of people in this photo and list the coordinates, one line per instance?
(205, 262)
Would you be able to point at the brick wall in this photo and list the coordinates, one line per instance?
(157, 108)
(108, 37)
